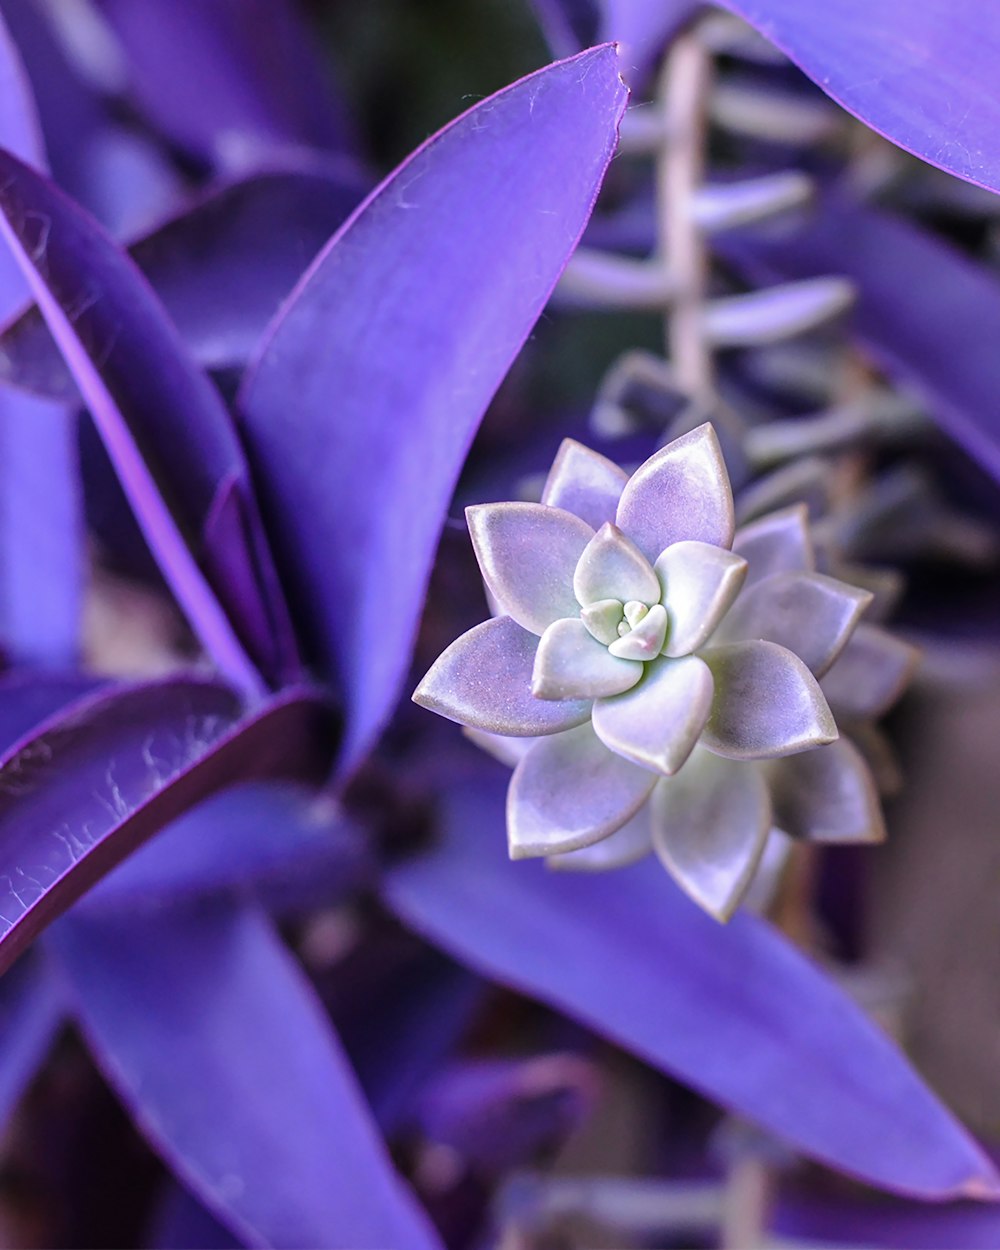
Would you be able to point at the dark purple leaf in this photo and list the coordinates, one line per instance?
(392, 347)
(733, 1010)
(94, 781)
(254, 1105)
(921, 72)
(31, 1012)
(221, 269)
(164, 424)
(27, 698)
(278, 841)
(924, 311)
(182, 1223)
(228, 79)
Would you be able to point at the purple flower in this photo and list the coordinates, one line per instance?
(655, 678)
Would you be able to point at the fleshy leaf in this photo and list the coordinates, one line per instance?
(527, 554)
(278, 1142)
(658, 721)
(220, 268)
(807, 613)
(777, 543)
(570, 791)
(584, 482)
(827, 795)
(91, 783)
(645, 640)
(733, 1010)
(405, 314)
(627, 845)
(484, 681)
(699, 583)
(767, 703)
(680, 492)
(170, 441)
(613, 567)
(710, 824)
(571, 664)
(871, 673)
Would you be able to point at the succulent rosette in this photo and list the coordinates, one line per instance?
(655, 675)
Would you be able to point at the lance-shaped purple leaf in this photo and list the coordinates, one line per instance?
(163, 423)
(735, 1011)
(221, 269)
(229, 79)
(277, 1141)
(393, 346)
(927, 333)
(88, 785)
(31, 1012)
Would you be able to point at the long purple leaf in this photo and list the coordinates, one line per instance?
(220, 268)
(928, 314)
(735, 1011)
(921, 72)
(93, 782)
(254, 1105)
(229, 78)
(165, 426)
(369, 386)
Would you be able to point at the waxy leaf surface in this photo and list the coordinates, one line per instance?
(733, 1010)
(255, 1105)
(370, 384)
(91, 783)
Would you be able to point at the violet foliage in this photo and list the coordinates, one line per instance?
(296, 528)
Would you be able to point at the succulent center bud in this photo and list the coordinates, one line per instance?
(634, 612)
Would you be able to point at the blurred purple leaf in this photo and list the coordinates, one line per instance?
(220, 268)
(254, 1105)
(847, 1223)
(926, 313)
(568, 25)
(392, 347)
(228, 79)
(172, 442)
(920, 72)
(92, 782)
(275, 841)
(28, 697)
(732, 1010)
(31, 1012)
(41, 525)
(181, 1222)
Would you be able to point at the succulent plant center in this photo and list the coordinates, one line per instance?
(632, 630)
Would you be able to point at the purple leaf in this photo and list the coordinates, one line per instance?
(220, 268)
(847, 1223)
(254, 1105)
(27, 698)
(393, 346)
(735, 1011)
(228, 79)
(31, 1012)
(93, 782)
(278, 842)
(40, 521)
(164, 425)
(921, 72)
(927, 332)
